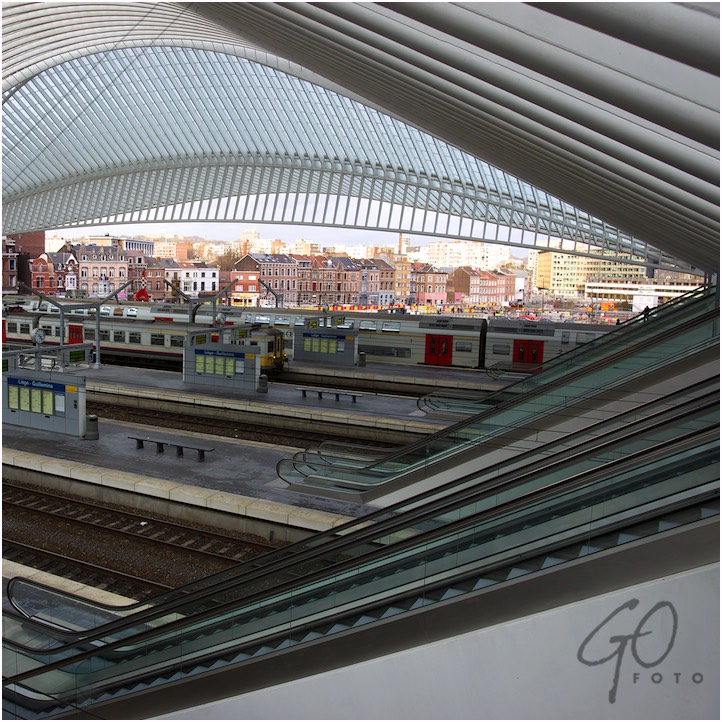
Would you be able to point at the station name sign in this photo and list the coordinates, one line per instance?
(37, 384)
(224, 354)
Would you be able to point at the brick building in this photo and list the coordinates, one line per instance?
(428, 285)
(55, 274)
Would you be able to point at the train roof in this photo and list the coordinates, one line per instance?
(245, 314)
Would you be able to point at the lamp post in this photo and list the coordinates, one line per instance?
(543, 291)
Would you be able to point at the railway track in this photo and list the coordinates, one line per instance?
(113, 548)
(293, 375)
(131, 586)
(196, 424)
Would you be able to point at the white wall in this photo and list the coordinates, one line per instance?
(529, 668)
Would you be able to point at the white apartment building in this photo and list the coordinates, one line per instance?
(303, 247)
(560, 275)
(193, 279)
(639, 293)
(454, 254)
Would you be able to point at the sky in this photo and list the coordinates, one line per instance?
(232, 232)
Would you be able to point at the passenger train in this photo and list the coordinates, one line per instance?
(156, 332)
(135, 342)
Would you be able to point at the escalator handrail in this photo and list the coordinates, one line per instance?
(365, 534)
(441, 505)
(539, 390)
(629, 462)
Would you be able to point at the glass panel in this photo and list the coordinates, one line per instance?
(569, 380)
(259, 612)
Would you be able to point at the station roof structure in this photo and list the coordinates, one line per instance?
(591, 128)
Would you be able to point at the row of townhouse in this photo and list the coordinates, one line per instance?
(299, 280)
(474, 287)
(96, 271)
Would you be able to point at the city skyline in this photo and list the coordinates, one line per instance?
(231, 232)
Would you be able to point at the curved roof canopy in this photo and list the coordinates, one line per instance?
(375, 115)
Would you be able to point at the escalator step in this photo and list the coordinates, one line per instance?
(626, 537)
(484, 582)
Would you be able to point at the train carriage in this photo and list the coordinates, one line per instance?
(144, 343)
(438, 340)
(433, 339)
(23, 327)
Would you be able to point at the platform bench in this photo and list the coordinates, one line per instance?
(335, 392)
(160, 445)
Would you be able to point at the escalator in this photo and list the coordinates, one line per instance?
(631, 478)
(457, 404)
(648, 359)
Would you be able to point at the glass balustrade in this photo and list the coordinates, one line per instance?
(551, 509)
(641, 464)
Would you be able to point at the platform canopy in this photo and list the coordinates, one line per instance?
(586, 127)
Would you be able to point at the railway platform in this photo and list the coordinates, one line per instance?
(237, 481)
(234, 466)
(373, 417)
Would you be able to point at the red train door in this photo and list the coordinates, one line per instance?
(439, 350)
(75, 333)
(529, 352)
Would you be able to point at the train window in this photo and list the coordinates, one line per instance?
(583, 337)
(157, 339)
(390, 327)
(12, 327)
(177, 340)
(131, 312)
(49, 331)
(565, 337)
(263, 319)
(134, 337)
(105, 311)
(89, 334)
(501, 349)
(367, 326)
(387, 351)
(104, 334)
(298, 321)
(24, 328)
(282, 321)
(463, 346)
(119, 336)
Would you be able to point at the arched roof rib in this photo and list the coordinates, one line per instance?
(626, 130)
(187, 133)
(39, 36)
(617, 128)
